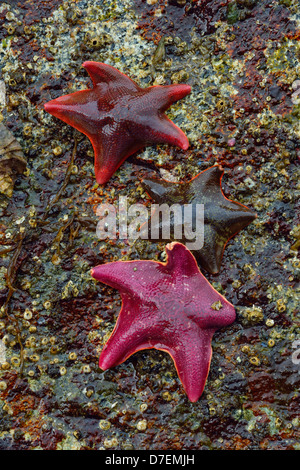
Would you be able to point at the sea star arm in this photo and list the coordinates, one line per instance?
(207, 185)
(162, 97)
(158, 129)
(138, 327)
(134, 331)
(77, 109)
(144, 277)
(150, 120)
(210, 255)
(222, 222)
(81, 111)
(131, 277)
(100, 72)
(111, 151)
(192, 361)
(207, 182)
(162, 191)
(237, 215)
(180, 261)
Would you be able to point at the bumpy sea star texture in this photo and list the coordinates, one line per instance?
(223, 218)
(168, 306)
(241, 59)
(119, 117)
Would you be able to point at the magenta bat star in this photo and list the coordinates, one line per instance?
(168, 306)
(119, 117)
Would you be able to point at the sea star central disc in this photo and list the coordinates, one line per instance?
(167, 306)
(119, 117)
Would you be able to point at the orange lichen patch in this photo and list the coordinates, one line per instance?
(22, 406)
(238, 443)
(33, 427)
(17, 396)
(94, 200)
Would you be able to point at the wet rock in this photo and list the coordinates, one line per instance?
(12, 161)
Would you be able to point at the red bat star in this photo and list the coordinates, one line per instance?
(119, 117)
(168, 306)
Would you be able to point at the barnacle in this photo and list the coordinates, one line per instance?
(96, 41)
